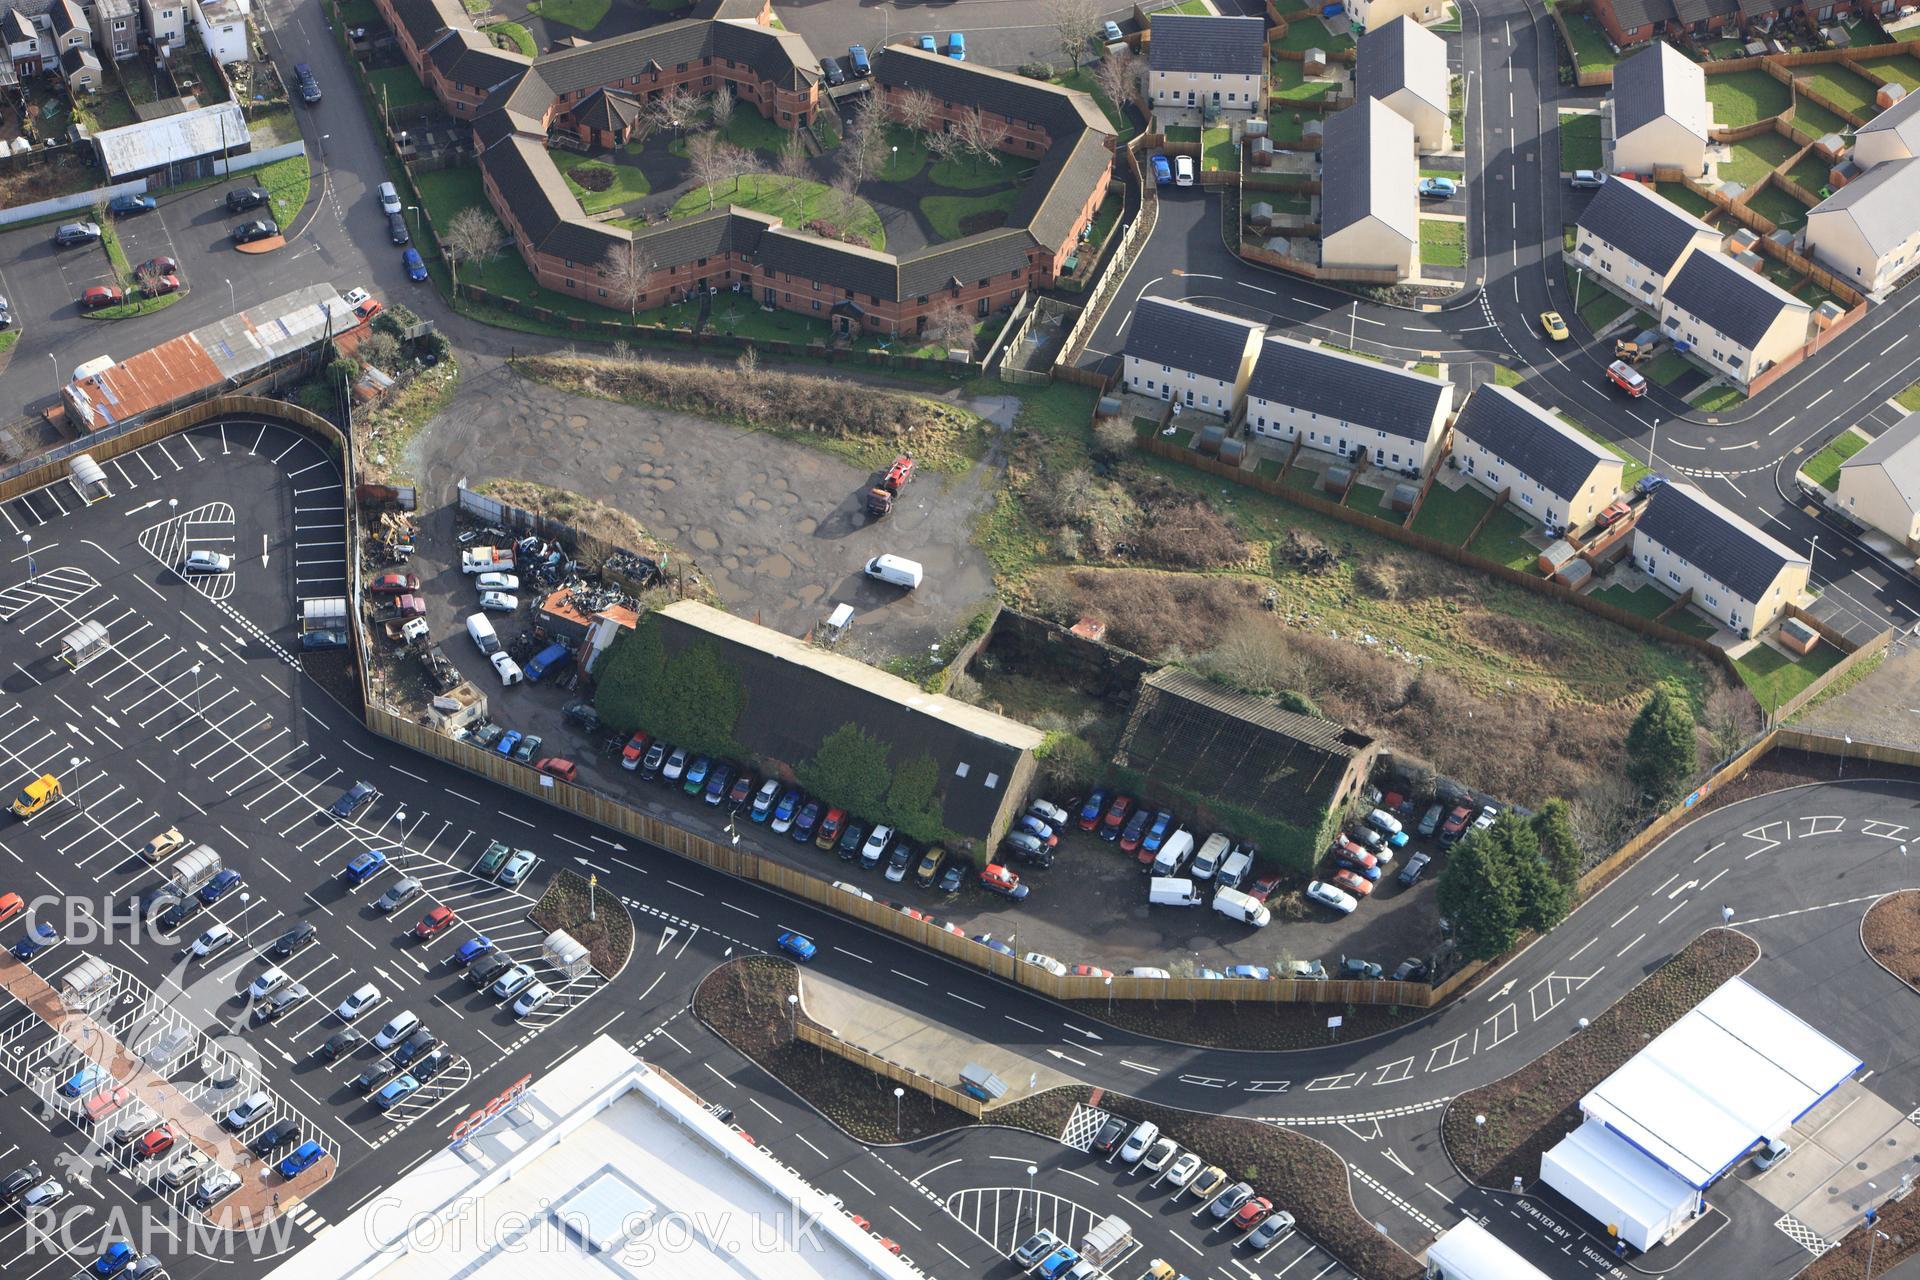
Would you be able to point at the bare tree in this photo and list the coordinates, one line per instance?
(943, 144)
(742, 163)
(976, 136)
(472, 236)
(629, 273)
(915, 109)
(676, 110)
(863, 152)
(1074, 23)
(720, 109)
(951, 327)
(708, 162)
(1115, 76)
(792, 164)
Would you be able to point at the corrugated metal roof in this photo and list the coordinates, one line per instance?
(154, 144)
(1323, 735)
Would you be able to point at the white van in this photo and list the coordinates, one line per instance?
(99, 364)
(1235, 905)
(1147, 971)
(1172, 853)
(1169, 891)
(895, 570)
(480, 627)
(1383, 822)
(1207, 861)
(1235, 868)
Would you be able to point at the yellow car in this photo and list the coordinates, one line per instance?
(1207, 1185)
(36, 795)
(1556, 327)
(162, 845)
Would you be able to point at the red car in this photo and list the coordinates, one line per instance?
(1349, 851)
(830, 828)
(634, 751)
(890, 1246)
(157, 1142)
(1116, 817)
(1251, 1213)
(394, 584)
(1089, 971)
(106, 1102)
(102, 295)
(860, 1222)
(434, 922)
(1358, 886)
(155, 286)
(1612, 514)
(557, 767)
(1263, 888)
(1456, 823)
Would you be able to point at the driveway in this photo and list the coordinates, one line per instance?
(778, 528)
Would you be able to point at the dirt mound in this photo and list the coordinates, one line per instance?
(593, 177)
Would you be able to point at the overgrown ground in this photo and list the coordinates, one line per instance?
(609, 524)
(608, 937)
(1536, 1106)
(1891, 934)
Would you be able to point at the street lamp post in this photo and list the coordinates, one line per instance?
(793, 1017)
(195, 670)
(1479, 1130)
(55, 362)
(232, 303)
(593, 886)
(414, 209)
(898, 1094)
(1848, 739)
(1109, 996)
(1032, 1169)
(1874, 1237)
(1813, 552)
(27, 538)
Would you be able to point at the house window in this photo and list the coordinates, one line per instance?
(1527, 498)
(1713, 602)
(1672, 576)
(1493, 477)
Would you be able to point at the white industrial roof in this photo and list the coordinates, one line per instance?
(1734, 1071)
(1471, 1252)
(1616, 1184)
(601, 1166)
(152, 144)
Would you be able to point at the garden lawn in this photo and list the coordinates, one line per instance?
(359, 13)
(1900, 67)
(1720, 399)
(1810, 117)
(1841, 87)
(1823, 468)
(974, 173)
(1645, 601)
(629, 183)
(1182, 133)
(1311, 33)
(1773, 677)
(1910, 398)
(1079, 79)
(396, 87)
(515, 35)
(1779, 207)
(1579, 140)
(1443, 243)
(1217, 150)
(1290, 84)
(806, 201)
(1810, 173)
(1635, 469)
(1502, 541)
(951, 215)
(1745, 97)
(1197, 8)
(749, 129)
(1755, 158)
(1591, 51)
(906, 157)
(287, 183)
(1450, 514)
(1667, 367)
(583, 15)
(1598, 307)
(1686, 197)
(1103, 219)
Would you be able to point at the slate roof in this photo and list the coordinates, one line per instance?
(1896, 451)
(608, 109)
(1059, 111)
(1189, 338)
(1215, 45)
(1347, 388)
(465, 56)
(548, 213)
(1706, 534)
(424, 20)
(991, 253)
(1369, 170)
(65, 17)
(1638, 13)
(1740, 303)
(1544, 448)
(1689, 12)
(781, 57)
(1903, 117)
(730, 10)
(1659, 81)
(16, 29)
(78, 58)
(1883, 202)
(1404, 55)
(1636, 221)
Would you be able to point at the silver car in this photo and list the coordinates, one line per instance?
(207, 562)
(396, 896)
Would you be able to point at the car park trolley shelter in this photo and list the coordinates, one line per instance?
(84, 643)
(1471, 1252)
(89, 481)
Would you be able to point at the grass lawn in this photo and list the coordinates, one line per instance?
(753, 131)
(1720, 399)
(1778, 207)
(1900, 67)
(1810, 117)
(1910, 398)
(1198, 8)
(1721, 50)
(1591, 52)
(1744, 97)
(956, 216)
(287, 183)
(1823, 468)
(1645, 601)
(1182, 133)
(1217, 150)
(1579, 140)
(1810, 173)
(629, 183)
(1635, 468)
(1667, 367)
(1686, 197)
(1773, 677)
(583, 15)
(135, 307)
(1103, 220)
(1079, 79)
(802, 204)
(1755, 158)
(1457, 112)
(116, 254)
(1443, 243)
(1372, 501)
(1450, 514)
(396, 87)
(973, 173)
(907, 156)
(1502, 541)
(359, 13)
(1840, 86)
(1289, 83)
(1598, 307)
(516, 36)
(1311, 33)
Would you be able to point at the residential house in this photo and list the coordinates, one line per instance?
(116, 29)
(1894, 134)
(165, 22)
(1742, 577)
(1733, 318)
(1628, 22)
(80, 68)
(1201, 61)
(1635, 240)
(1551, 472)
(1199, 359)
(24, 49)
(1405, 66)
(1346, 405)
(1880, 486)
(1657, 114)
(68, 29)
(1369, 197)
(1868, 232)
(1365, 15)
(223, 28)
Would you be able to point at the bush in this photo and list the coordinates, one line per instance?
(1297, 702)
(1380, 577)
(1037, 70)
(1113, 439)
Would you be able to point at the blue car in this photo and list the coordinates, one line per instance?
(398, 1089)
(1438, 189)
(857, 59)
(1359, 868)
(352, 800)
(1157, 833)
(797, 945)
(1059, 1262)
(122, 206)
(1204, 972)
(83, 1081)
(783, 812)
(304, 1157)
(1258, 971)
(1398, 839)
(717, 783)
(1094, 809)
(1162, 171)
(508, 742)
(929, 45)
(992, 943)
(695, 780)
(803, 826)
(471, 950)
(957, 47)
(221, 885)
(114, 1259)
(42, 936)
(416, 269)
(363, 867)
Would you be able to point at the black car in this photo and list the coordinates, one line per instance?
(281, 1133)
(850, 841)
(338, 1043)
(374, 1076)
(309, 87)
(397, 228)
(1415, 866)
(483, 971)
(416, 1044)
(900, 860)
(1112, 1134)
(241, 199)
(292, 940)
(182, 910)
(1366, 837)
(954, 876)
(259, 229)
(655, 757)
(353, 799)
(1412, 969)
(15, 1184)
(830, 67)
(431, 1065)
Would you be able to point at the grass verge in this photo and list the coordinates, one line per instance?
(612, 185)
(134, 307)
(1774, 677)
(954, 217)
(287, 183)
(1443, 243)
(583, 15)
(608, 936)
(515, 35)
(1823, 468)
(798, 202)
(1579, 140)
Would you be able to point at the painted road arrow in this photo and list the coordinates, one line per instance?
(611, 844)
(583, 862)
(1064, 1058)
(1691, 884)
(1502, 991)
(1088, 1034)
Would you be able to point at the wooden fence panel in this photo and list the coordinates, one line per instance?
(1837, 671)
(893, 1071)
